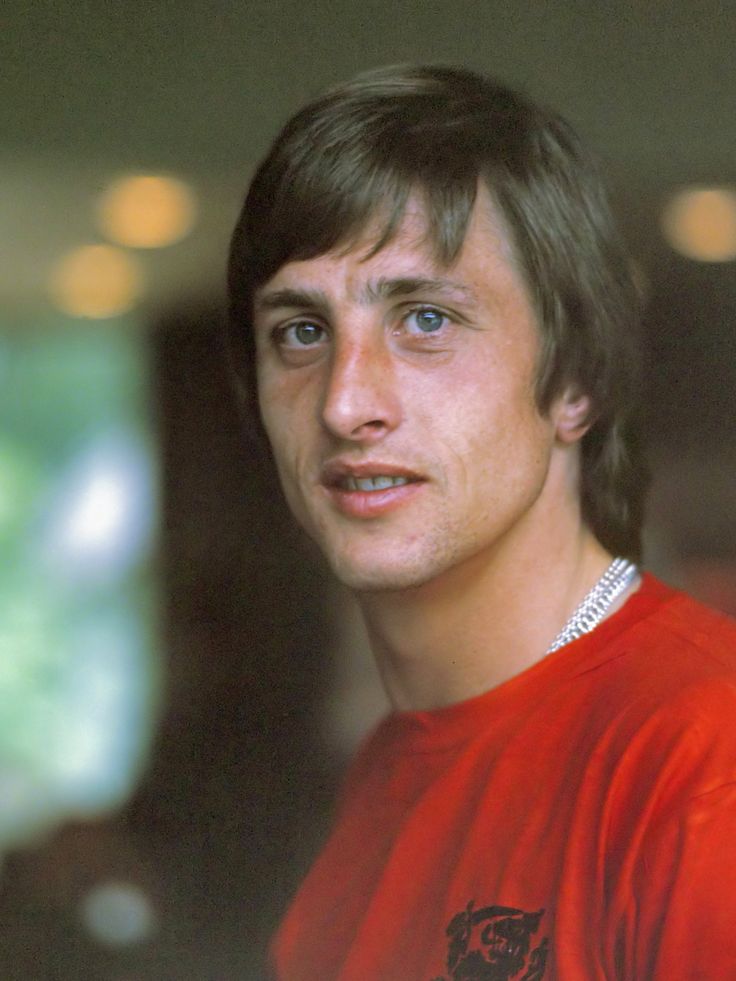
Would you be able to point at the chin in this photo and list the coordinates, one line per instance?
(377, 562)
(379, 581)
(377, 577)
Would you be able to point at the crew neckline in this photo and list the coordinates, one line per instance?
(433, 729)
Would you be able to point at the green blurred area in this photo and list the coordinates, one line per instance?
(78, 669)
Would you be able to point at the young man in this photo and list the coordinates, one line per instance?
(437, 321)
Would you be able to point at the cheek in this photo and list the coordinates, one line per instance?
(494, 429)
(276, 404)
(289, 429)
(281, 437)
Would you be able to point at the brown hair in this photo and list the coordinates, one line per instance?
(357, 153)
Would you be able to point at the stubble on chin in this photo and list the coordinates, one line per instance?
(395, 566)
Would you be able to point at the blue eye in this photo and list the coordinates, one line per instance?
(428, 320)
(302, 334)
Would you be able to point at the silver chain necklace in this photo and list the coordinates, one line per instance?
(596, 604)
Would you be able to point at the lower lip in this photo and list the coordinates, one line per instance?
(373, 504)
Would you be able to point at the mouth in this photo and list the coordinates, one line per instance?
(367, 477)
(369, 489)
(378, 483)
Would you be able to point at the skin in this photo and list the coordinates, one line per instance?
(394, 365)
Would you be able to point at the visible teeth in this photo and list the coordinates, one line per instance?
(374, 483)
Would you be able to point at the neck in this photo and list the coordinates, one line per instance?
(484, 620)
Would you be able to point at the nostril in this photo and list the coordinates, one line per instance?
(374, 424)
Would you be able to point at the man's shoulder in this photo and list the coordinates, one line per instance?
(681, 633)
(663, 710)
(672, 665)
(670, 679)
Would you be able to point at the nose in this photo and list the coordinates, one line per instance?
(361, 400)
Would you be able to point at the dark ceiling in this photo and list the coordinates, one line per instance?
(92, 89)
(200, 86)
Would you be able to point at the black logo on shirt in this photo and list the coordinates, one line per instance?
(494, 944)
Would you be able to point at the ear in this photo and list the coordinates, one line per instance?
(573, 415)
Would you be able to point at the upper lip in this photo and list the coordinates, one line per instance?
(337, 470)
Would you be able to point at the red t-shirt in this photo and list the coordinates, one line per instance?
(578, 822)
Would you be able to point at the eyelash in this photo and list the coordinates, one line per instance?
(280, 333)
(427, 308)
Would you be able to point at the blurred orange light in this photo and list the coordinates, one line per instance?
(95, 281)
(147, 212)
(700, 223)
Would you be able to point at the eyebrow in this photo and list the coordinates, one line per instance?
(388, 289)
(382, 289)
(286, 297)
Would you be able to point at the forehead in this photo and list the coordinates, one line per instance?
(412, 249)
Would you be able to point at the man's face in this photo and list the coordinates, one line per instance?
(398, 397)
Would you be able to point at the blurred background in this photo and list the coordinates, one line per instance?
(180, 681)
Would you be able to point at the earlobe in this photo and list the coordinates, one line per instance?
(573, 416)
